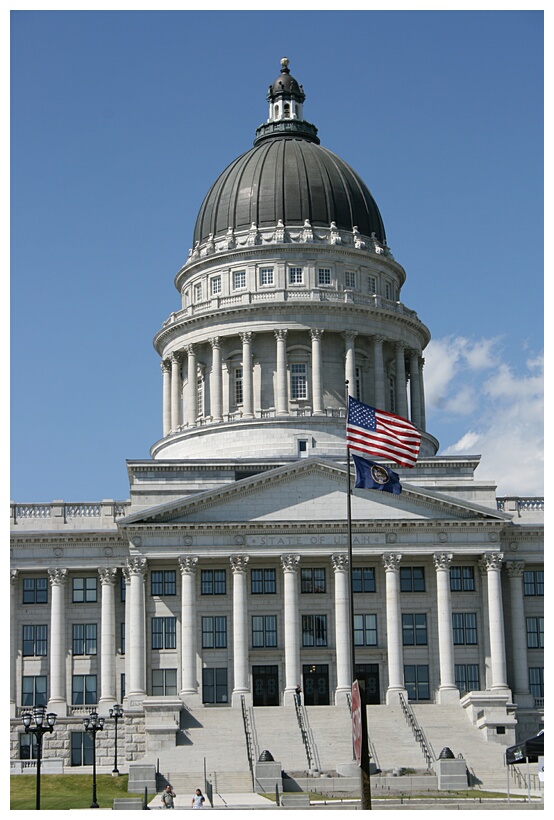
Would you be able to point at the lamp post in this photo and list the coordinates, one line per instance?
(116, 712)
(44, 723)
(93, 724)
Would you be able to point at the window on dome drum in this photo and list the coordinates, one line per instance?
(164, 633)
(198, 292)
(82, 752)
(239, 279)
(324, 276)
(296, 276)
(264, 631)
(214, 632)
(213, 582)
(266, 277)
(28, 749)
(84, 639)
(464, 628)
(164, 682)
(239, 395)
(388, 290)
(314, 630)
(350, 279)
(35, 590)
(312, 580)
(371, 284)
(263, 582)
(365, 630)
(214, 686)
(363, 579)
(163, 582)
(200, 396)
(466, 677)
(414, 629)
(535, 633)
(122, 588)
(215, 285)
(84, 590)
(35, 640)
(392, 394)
(358, 386)
(412, 579)
(298, 382)
(536, 681)
(122, 637)
(83, 690)
(33, 690)
(303, 447)
(416, 681)
(533, 583)
(462, 579)
(122, 686)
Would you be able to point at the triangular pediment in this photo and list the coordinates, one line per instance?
(309, 491)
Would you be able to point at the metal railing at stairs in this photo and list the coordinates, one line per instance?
(307, 737)
(250, 743)
(418, 732)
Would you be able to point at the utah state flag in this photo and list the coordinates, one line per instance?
(371, 476)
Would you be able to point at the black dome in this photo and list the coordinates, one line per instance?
(290, 179)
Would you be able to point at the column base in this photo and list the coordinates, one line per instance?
(289, 697)
(105, 704)
(341, 695)
(58, 706)
(191, 698)
(448, 695)
(134, 700)
(237, 695)
(392, 697)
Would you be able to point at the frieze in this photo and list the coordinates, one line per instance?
(319, 540)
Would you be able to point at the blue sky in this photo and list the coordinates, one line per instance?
(121, 121)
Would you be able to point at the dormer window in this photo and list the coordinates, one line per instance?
(286, 110)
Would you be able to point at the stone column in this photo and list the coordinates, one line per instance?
(281, 396)
(136, 685)
(247, 394)
(415, 389)
(239, 564)
(493, 564)
(216, 409)
(13, 642)
(58, 630)
(350, 361)
(522, 695)
(293, 672)
(176, 388)
(422, 393)
(108, 577)
(189, 684)
(448, 693)
(166, 396)
(379, 366)
(343, 627)
(317, 384)
(192, 386)
(391, 562)
(127, 578)
(401, 395)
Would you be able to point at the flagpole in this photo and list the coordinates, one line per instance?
(349, 520)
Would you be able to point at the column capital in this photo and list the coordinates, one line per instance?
(246, 337)
(165, 365)
(340, 562)
(187, 564)
(175, 358)
(402, 346)
(349, 335)
(492, 561)
(378, 339)
(280, 334)
(442, 560)
(137, 566)
(413, 353)
(215, 342)
(191, 350)
(290, 563)
(108, 575)
(515, 568)
(126, 575)
(391, 561)
(316, 333)
(57, 577)
(13, 576)
(239, 563)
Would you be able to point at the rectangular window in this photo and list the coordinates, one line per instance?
(81, 749)
(164, 633)
(414, 629)
(535, 633)
(298, 382)
(266, 276)
(215, 285)
(84, 639)
(466, 677)
(314, 630)
(122, 588)
(392, 393)
(83, 690)
(164, 682)
(213, 582)
(163, 582)
(239, 279)
(363, 579)
(412, 579)
(536, 681)
(462, 579)
(263, 582)
(122, 636)
(35, 590)
(33, 690)
(122, 685)
(214, 686)
(416, 682)
(464, 628)
(388, 291)
(365, 630)
(312, 580)
(359, 383)
(214, 632)
(324, 276)
(296, 276)
(84, 591)
(239, 395)
(35, 640)
(533, 583)
(28, 749)
(198, 292)
(350, 279)
(264, 631)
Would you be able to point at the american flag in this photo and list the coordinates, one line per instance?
(378, 433)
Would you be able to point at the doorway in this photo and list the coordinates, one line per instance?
(316, 684)
(369, 673)
(265, 684)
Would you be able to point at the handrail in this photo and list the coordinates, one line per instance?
(249, 741)
(307, 736)
(418, 732)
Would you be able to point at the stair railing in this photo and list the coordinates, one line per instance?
(249, 739)
(418, 732)
(307, 736)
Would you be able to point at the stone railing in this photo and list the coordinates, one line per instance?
(519, 505)
(61, 512)
(266, 413)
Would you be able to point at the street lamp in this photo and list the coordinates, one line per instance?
(44, 723)
(93, 724)
(116, 712)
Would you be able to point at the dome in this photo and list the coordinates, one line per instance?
(288, 176)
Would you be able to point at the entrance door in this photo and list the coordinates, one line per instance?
(265, 680)
(316, 685)
(369, 673)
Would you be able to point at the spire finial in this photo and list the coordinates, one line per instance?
(285, 65)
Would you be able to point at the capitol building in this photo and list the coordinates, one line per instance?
(222, 583)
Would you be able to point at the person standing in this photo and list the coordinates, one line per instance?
(298, 693)
(167, 798)
(198, 800)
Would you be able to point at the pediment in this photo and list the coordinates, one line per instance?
(309, 491)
